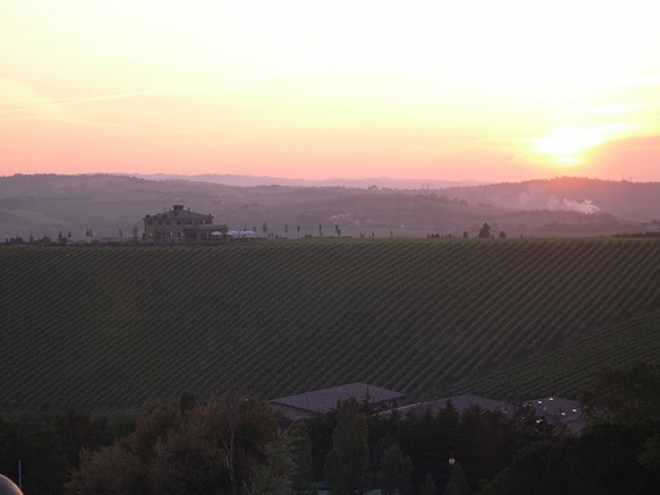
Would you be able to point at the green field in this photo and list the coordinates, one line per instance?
(107, 328)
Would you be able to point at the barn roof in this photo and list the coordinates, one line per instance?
(324, 400)
(555, 410)
(461, 403)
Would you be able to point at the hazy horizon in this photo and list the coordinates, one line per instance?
(476, 91)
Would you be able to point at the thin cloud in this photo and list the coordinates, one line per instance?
(31, 100)
(27, 104)
(609, 109)
(21, 98)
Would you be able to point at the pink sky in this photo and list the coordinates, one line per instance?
(481, 90)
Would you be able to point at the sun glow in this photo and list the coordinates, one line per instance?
(565, 143)
(568, 141)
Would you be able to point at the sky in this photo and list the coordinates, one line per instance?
(490, 91)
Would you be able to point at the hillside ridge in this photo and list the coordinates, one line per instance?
(112, 206)
(111, 327)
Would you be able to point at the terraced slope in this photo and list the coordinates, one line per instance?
(565, 371)
(111, 327)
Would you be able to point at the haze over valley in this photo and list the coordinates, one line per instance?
(48, 204)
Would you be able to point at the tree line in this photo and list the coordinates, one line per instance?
(236, 445)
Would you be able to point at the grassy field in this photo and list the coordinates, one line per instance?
(109, 327)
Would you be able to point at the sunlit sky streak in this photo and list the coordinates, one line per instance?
(481, 90)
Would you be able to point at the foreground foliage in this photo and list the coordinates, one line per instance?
(604, 459)
(214, 447)
(617, 453)
(629, 393)
(48, 444)
(237, 445)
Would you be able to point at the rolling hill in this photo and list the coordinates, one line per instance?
(45, 205)
(636, 201)
(108, 327)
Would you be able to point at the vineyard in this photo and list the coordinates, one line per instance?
(111, 327)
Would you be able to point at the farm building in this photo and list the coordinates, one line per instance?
(460, 403)
(562, 413)
(180, 225)
(303, 406)
(242, 235)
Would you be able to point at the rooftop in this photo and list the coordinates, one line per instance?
(554, 410)
(322, 401)
(178, 212)
(461, 403)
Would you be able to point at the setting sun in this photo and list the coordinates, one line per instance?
(564, 144)
(569, 141)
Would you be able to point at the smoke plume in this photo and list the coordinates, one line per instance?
(535, 200)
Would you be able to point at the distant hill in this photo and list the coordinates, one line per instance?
(637, 201)
(251, 181)
(108, 327)
(45, 205)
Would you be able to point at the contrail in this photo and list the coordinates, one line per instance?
(165, 89)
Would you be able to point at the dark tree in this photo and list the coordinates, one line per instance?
(394, 477)
(457, 484)
(301, 450)
(627, 393)
(48, 446)
(429, 487)
(650, 456)
(275, 475)
(212, 448)
(484, 232)
(429, 439)
(603, 459)
(347, 464)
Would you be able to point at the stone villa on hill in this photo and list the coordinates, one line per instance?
(179, 226)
